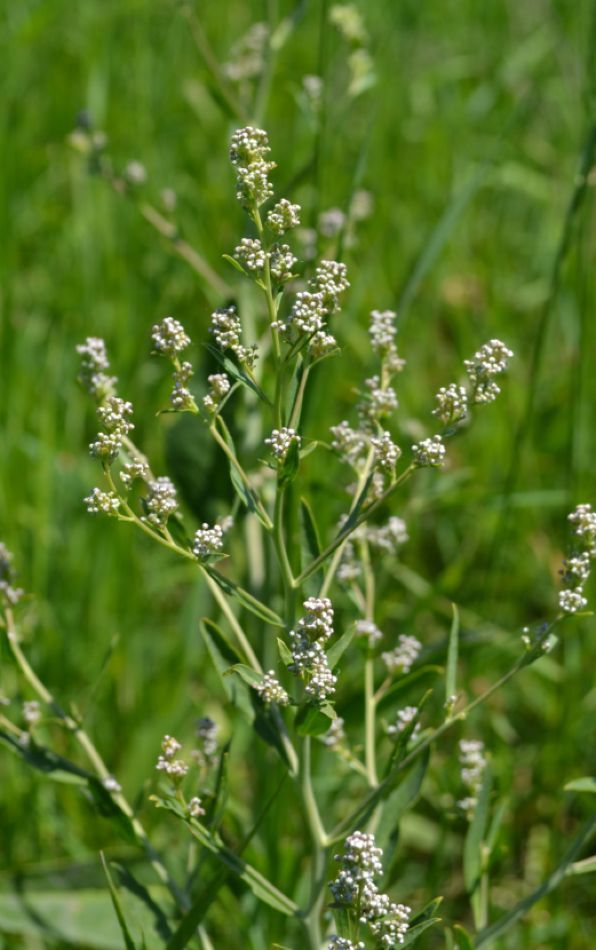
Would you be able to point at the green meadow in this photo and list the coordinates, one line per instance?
(458, 139)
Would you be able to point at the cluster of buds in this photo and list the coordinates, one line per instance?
(313, 306)
(452, 404)
(170, 339)
(335, 735)
(253, 257)
(8, 594)
(473, 764)
(161, 502)
(576, 569)
(354, 889)
(382, 331)
(489, 361)
(102, 502)
(167, 761)
(195, 807)
(283, 217)
(94, 363)
(249, 149)
(378, 401)
(369, 629)
(208, 540)
(220, 387)
(271, 691)
(114, 414)
(280, 442)
(402, 658)
(227, 333)
(135, 470)
(386, 452)
(309, 660)
(429, 453)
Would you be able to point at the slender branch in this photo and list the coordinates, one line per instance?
(268, 524)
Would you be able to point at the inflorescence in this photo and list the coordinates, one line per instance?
(576, 569)
(309, 660)
(354, 889)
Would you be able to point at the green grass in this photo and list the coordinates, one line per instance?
(470, 143)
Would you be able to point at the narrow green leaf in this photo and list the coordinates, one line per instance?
(246, 494)
(247, 600)
(414, 932)
(405, 682)
(261, 887)
(335, 652)
(236, 372)
(487, 936)
(313, 720)
(235, 264)
(284, 652)
(585, 784)
(309, 527)
(452, 651)
(247, 674)
(402, 798)
(223, 656)
(289, 468)
(357, 509)
(44, 760)
(464, 939)
(107, 808)
(427, 911)
(128, 941)
(475, 837)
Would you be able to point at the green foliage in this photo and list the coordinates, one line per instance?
(472, 130)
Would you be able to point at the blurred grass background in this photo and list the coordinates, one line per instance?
(476, 143)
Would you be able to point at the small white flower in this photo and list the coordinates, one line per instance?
(402, 658)
(31, 712)
(220, 387)
(169, 337)
(135, 173)
(386, 452)
(403, 719)
(281, 440)
(283, 216)
(195, 807)
(161, 502)
(111, 785)
(572, 600)
(429, 452)
(367, 628)
(208, 540)
(452, 404)
(335, 735)
(104, 502)
(271, 691)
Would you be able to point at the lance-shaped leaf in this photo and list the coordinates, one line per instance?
(237, 373)
(249, 602)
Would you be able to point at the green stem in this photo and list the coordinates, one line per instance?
(346, 532)
(376, 794)
(225, 608)
(268, 524)
(318, 835)
(99, 766)
(282, 554)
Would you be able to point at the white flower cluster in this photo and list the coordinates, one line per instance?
(251, 254)
(350, 443)
(102, 502)
(207, 730)
(8, 593)
(284, 216)
(386, 452)
(489, 361)
(195, 807)
(429, 452)
(388, 537)
(271, 691)
(369, 629)
(161, 502)
(452, 404)
(335, 735)
(382, 332)
(220, 387)
(473, 763)
(281, 440)
(227, 332)
(248, 150)
(344, 943)
(114, 415)
(355, 888)
(309, 660)
(208, 540)
(403, 719)
(313, 306)
(135, 469)
(169, 337)
(576, 569)
(167, 762)
(181, 396)
(402, 658)
(94, 362)
(380, 401)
